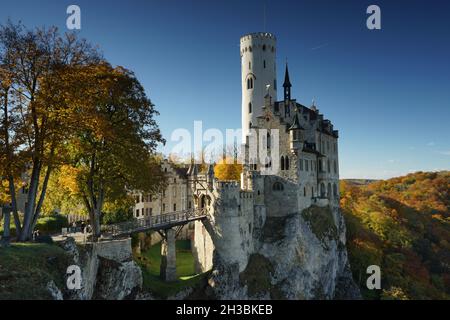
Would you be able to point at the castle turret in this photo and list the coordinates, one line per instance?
(296, 133)
(258, 70)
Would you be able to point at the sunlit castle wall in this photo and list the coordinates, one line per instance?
(258, 52)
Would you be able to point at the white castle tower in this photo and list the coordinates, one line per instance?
(258, 73)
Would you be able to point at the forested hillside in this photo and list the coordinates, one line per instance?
(402, 225)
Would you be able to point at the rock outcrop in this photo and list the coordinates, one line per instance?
(298, 256)
(107, 271)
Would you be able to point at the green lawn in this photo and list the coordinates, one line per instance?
(26, 268)
(150, 261)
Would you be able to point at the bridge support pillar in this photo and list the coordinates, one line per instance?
(168, 269)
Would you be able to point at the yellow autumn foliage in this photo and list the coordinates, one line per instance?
(228, 169)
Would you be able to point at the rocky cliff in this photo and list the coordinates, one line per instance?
(107, 269)
(298, 256)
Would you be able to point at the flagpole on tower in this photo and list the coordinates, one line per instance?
(264, 6)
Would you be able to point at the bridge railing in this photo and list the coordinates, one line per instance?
(153, 221)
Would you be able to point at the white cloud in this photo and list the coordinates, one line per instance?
(431, 144)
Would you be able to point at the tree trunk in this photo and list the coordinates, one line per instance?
(41, 199)
(12, 192)
(6, 234)
(9, 159)
(30, 207)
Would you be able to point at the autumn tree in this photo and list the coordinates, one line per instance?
(228, 169)
(36, 119)
(113, 151)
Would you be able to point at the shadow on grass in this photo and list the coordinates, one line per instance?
(150, 260)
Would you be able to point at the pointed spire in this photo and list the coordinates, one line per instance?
(287, 82)
(287, 85)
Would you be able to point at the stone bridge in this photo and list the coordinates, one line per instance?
(168, 225)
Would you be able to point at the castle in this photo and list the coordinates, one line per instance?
(290, 163)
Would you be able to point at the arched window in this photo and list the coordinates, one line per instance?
(322, 190)
(335, 166)
(278, 186)
(329, 191)
(250, 125)
(249, 107)
(268, 140)
(304, 191)
(329, 167)
(250, 83)
(264, 62)
(286, 166)
(312, 191)
(268, 162)
(249, 65)
(282, 163)
(264, 47)
(335, 193)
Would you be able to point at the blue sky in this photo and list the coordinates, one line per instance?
(386, 91)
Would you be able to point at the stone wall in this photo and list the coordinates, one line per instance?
(202, 248)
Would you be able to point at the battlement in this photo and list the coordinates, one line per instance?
(258, 35)
(227, 185)
(244, 194)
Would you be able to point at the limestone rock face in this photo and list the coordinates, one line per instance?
(54, 291)
(298, 256)
(117, 280)
(107, 270)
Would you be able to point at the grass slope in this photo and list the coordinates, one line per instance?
(25, 270)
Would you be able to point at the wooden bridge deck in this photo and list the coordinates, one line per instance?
(154, 223)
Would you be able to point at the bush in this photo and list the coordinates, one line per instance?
(52, 224)
(44, 239)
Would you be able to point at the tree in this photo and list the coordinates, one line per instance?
(114, 150)
(62, 193)
(228, 169)
(37, 119)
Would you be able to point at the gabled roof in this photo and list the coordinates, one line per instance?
(296, 124)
